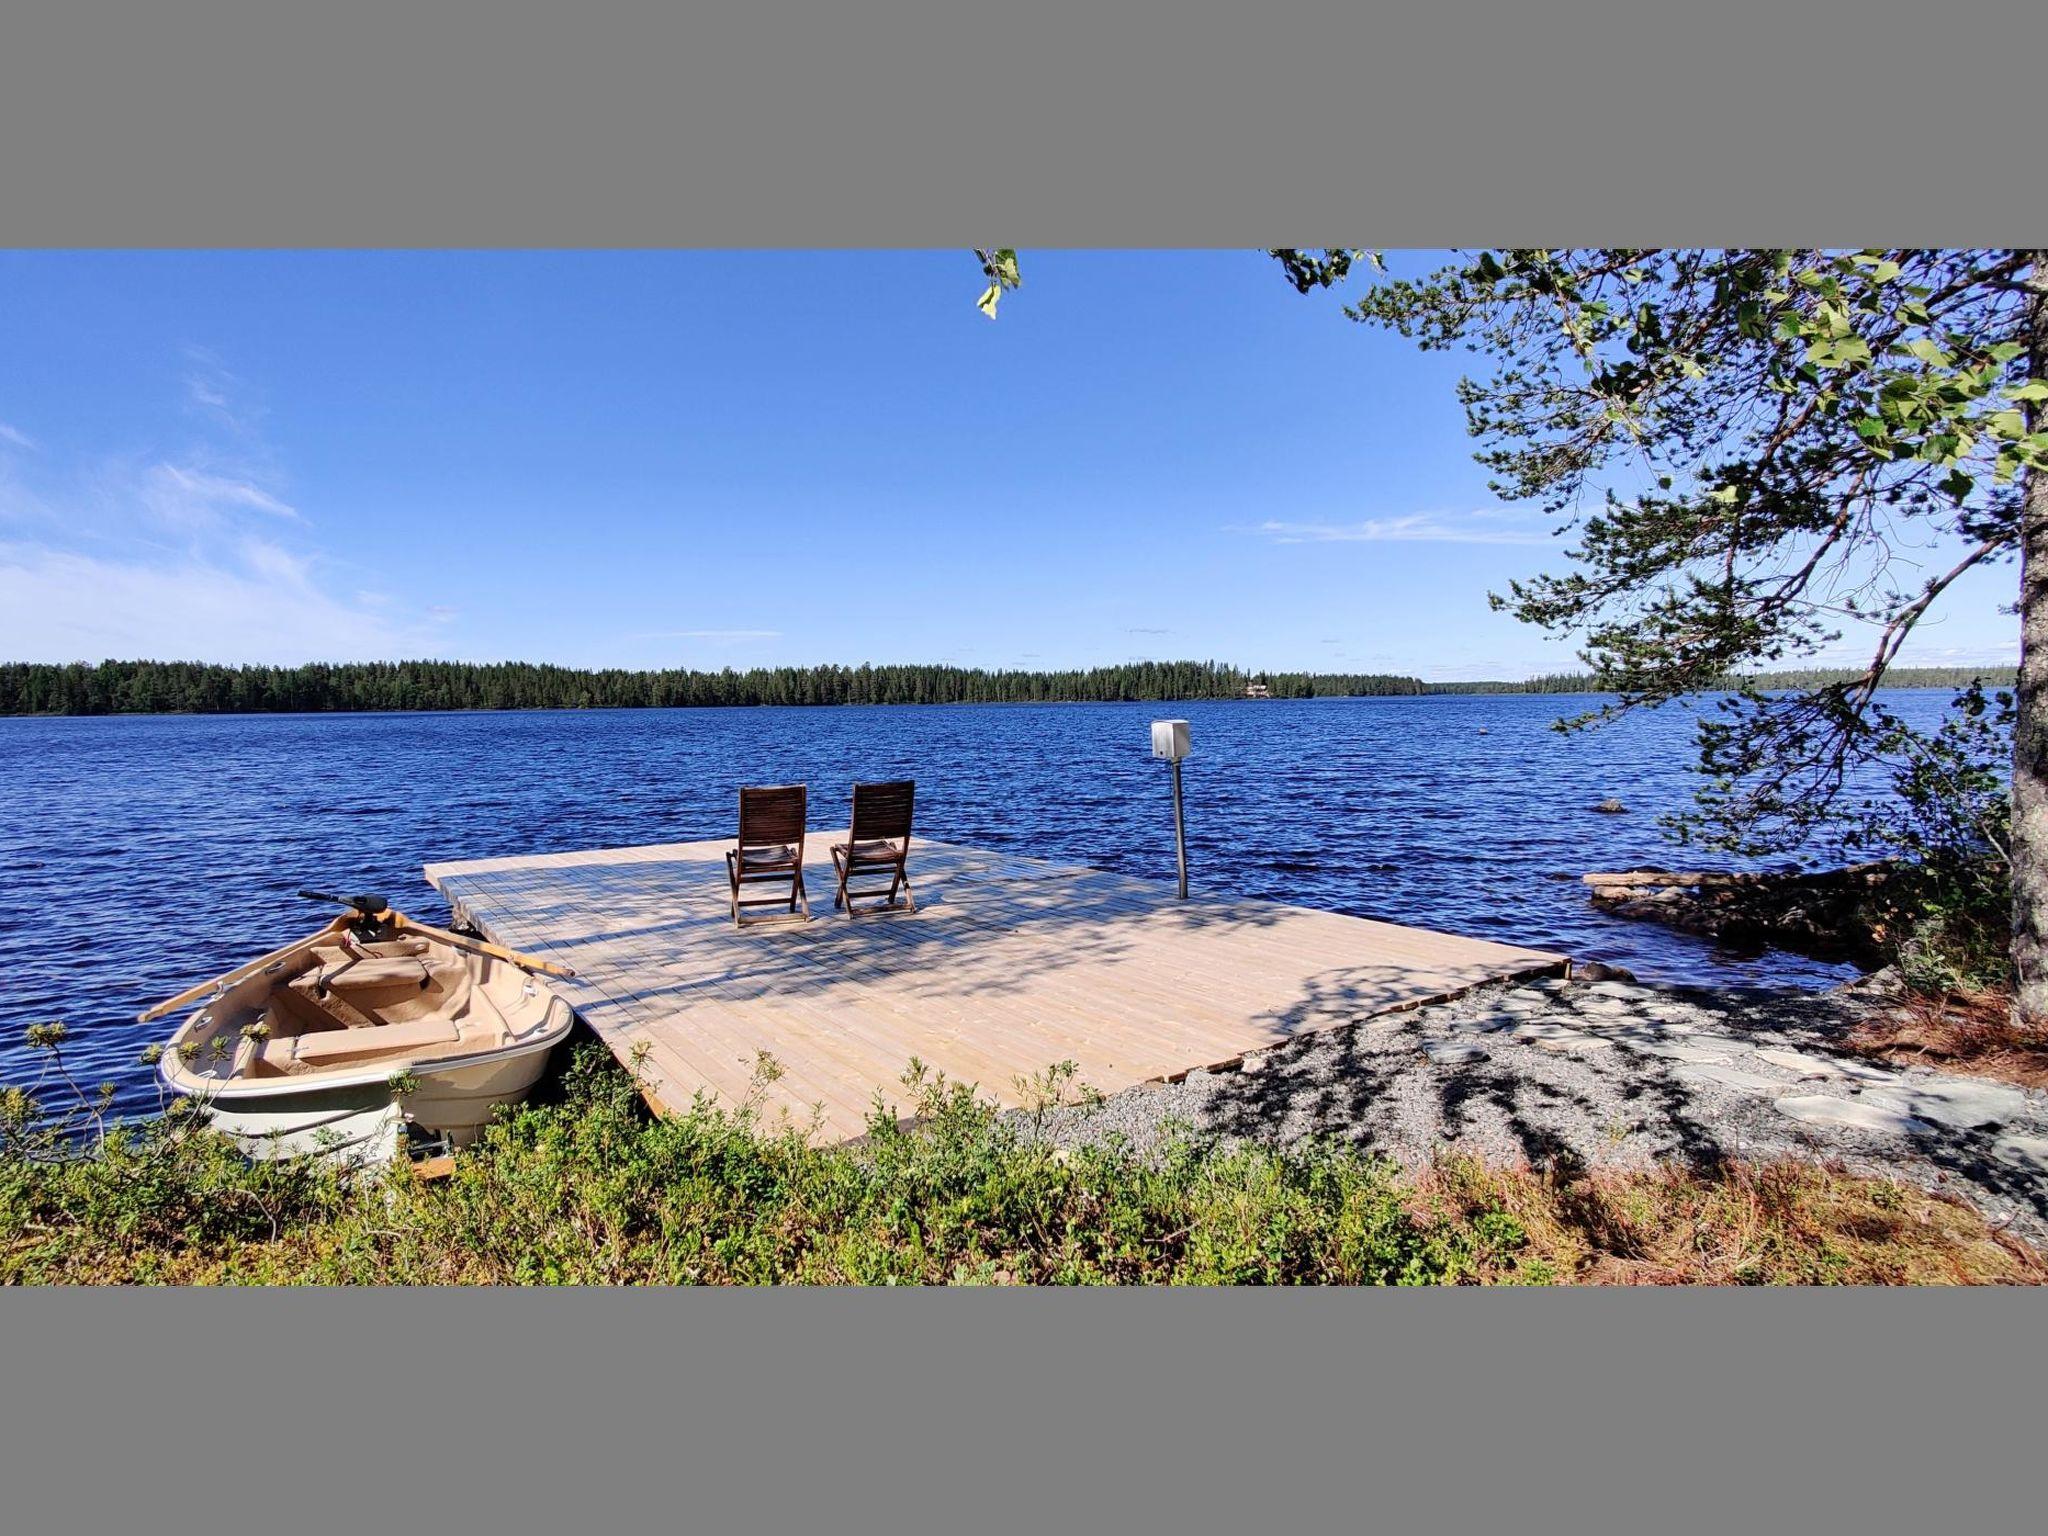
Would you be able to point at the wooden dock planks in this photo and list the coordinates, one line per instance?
(1007, 966)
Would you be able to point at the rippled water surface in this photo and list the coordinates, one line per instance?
(139, 855)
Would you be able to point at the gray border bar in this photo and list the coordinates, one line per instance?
(937, 122)
(951, 1411)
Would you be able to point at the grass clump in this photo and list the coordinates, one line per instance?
(1971, 1032)
(592, 1189)
(1778, 1223)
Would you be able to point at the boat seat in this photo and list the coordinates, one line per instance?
(334, 1047)
(379, 971)
(382, 949)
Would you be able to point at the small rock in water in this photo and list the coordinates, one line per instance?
(1600, 970)
(1451, 1052)
(1611, 807)
(1825, 1109)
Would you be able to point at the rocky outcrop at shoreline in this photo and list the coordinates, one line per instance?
(1567, 1073)
(1835, 914)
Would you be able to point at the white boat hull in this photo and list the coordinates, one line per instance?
(363, 1120)
(366, 1131)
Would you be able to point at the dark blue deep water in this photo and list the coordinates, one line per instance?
(139, 855)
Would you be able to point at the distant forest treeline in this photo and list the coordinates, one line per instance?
(179, 687)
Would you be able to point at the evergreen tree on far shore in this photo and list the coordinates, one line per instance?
(185, 687)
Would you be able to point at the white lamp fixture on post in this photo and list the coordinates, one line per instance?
(1170, 741)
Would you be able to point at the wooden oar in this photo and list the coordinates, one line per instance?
(403, 924)
(239, 973)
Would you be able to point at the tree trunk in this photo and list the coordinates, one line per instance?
(2030, 737)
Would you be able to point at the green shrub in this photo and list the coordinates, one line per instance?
(590, 1188)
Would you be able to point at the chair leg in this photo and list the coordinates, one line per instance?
(840, 899)
(909, 901)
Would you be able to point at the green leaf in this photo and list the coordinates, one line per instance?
(999, 266)
(1838, 354)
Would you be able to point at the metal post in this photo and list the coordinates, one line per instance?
(1180, 833)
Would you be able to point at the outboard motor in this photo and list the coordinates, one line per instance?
(373, 914)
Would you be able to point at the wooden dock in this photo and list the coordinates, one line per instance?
(1007, 966)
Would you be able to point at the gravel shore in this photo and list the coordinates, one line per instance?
(1613, 1074)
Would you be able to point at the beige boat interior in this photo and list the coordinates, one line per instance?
(342, 1004)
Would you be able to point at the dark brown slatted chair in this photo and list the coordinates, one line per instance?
(878, 839)
(770, 848)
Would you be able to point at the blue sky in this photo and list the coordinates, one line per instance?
(712, 459)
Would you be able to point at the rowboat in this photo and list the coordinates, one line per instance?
(337, 1043)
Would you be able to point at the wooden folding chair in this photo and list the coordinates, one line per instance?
(877, 839)
(770, 848)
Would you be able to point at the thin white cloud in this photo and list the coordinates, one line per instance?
(256, 603)
(1414, 528)
(213, 392)
(16, 436)
(188, 497)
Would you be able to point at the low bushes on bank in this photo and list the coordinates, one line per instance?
(591, 1189)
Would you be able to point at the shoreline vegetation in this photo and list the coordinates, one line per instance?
(177, 687)
(592, 1189)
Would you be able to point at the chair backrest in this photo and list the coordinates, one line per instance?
(772, 815)
(882, 811)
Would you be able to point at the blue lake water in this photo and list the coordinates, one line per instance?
(141, 854)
